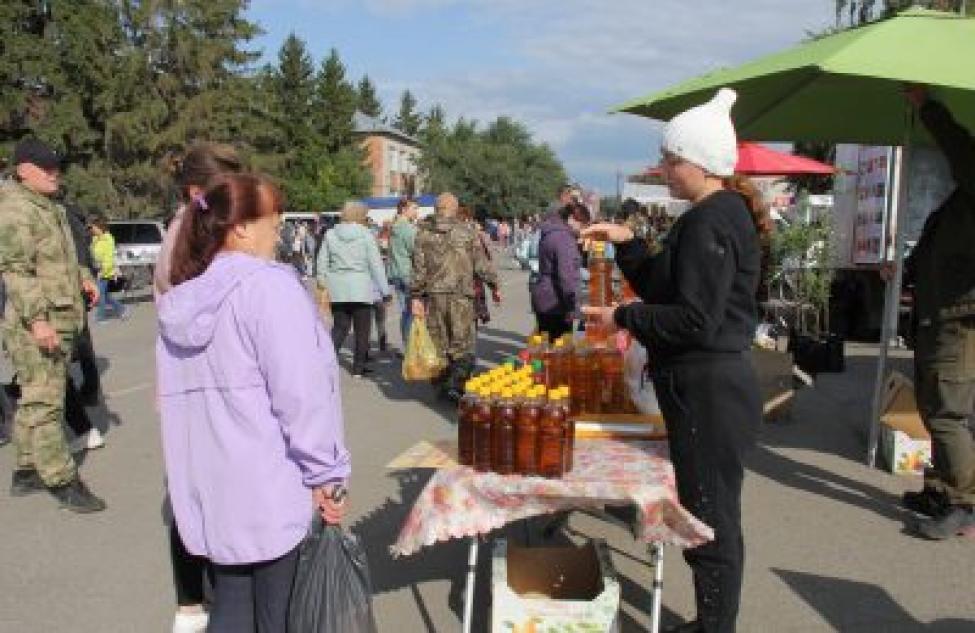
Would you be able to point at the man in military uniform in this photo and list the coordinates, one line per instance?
(446, 262)
(44, 313)
(942, 267)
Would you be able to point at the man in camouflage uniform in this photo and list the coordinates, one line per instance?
(446, 261)
(942, 267)
(43, 315)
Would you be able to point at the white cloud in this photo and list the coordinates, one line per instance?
(577, 58)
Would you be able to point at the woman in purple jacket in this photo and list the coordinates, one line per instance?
(249, 397)
(554, 289)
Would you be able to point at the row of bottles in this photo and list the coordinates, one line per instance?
(511, 430)
(593, 373)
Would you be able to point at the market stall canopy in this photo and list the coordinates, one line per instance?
(755, 159)
(842, 88)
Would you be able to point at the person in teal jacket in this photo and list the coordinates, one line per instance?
(401, 239)
(351, 268)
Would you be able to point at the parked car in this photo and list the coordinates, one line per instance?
(137, 245)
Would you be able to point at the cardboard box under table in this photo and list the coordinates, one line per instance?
(554, 589)
(905, 444)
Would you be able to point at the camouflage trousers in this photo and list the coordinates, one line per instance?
(38, 430)
(450, 319)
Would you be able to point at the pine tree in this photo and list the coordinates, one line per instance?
(368, 103)
(335, 104)
(408, 119)
(294, 87)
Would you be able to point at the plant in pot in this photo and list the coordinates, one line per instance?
(802, 275)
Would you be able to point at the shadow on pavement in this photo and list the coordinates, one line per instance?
(824, 483)
(855, 606)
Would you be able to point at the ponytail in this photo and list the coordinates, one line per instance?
(762, 219)
(209, 218)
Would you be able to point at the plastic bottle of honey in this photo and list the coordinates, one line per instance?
(555, 365)
(465, 424)
(551, 438)
(526, 434)
(503, 434)
(592, 398)
(579, 375)
(613, 397)
(483, 424)
(569, 426)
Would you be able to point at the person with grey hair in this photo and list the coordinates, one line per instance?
(350, 266)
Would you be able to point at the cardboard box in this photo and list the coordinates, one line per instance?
(905, 445)
(541, 589)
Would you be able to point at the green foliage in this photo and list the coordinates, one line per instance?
(119, 86)
(408, 120)
(367, 100)
(497, 171)
(801, 257)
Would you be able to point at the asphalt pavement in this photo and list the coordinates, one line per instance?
(827, 548)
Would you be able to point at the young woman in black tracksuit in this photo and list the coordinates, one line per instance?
(697, 319)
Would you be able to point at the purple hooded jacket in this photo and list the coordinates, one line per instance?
(250, 406)
(555, 288)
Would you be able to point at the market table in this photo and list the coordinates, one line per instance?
(459, 502)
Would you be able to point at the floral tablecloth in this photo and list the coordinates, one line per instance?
(460, 502)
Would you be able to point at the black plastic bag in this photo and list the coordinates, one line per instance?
(332, 591)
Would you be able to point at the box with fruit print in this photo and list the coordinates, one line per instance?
(542, 589)
(904, 442)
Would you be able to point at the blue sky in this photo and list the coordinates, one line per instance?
(556, 65)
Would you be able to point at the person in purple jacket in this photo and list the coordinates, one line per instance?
(555, 287)
(249, 397)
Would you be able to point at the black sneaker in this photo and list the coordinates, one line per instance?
(927, 502)
(687, 627)
(76, 497)
(955, 521)
(26, 481)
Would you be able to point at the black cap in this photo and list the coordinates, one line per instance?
(35, 152)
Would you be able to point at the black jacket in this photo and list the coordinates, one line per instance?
(699, 291)
(79, 231)
(942, 264)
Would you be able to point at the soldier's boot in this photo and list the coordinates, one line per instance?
(956, 520)
(26, 481)
(461, 371)
(76, 497)
(928, 502)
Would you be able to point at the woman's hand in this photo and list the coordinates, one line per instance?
(330, 502)
(606, 232)
(601, 317)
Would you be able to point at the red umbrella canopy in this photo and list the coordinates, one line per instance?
(755, 159)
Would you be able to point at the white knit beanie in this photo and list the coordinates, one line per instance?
(705, 135)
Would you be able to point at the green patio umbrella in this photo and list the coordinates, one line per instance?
(842, 88)
(846, 88)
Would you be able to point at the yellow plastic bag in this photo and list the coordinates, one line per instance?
(421, 361)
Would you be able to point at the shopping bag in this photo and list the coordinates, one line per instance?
(332, 591)
(422, 361)
(323, 300)
(638, 383)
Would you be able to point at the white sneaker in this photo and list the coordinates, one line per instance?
(95, 439)
(190, 622)
(88, 442)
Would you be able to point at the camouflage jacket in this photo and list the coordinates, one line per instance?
(447, 259)
(38, 261)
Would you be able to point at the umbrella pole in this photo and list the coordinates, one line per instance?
(899, 215)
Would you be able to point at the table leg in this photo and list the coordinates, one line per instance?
(657, 589)
(469, 594)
